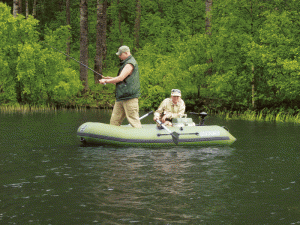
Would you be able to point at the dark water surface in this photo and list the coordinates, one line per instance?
(47, 177)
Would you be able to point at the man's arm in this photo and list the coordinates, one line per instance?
(126, 71)
(160, 110)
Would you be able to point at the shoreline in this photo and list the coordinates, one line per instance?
(248, 115)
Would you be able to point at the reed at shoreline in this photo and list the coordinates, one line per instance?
(31, 109)
(263, 115)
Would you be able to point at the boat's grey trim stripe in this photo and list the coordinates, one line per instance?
(151, 141)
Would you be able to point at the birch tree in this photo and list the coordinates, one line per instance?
(34, 8)
(16, 8)
(20, 7)
(27, 10)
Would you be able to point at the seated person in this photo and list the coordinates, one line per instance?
(170, 108)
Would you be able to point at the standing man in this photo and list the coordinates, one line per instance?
(127, 90)
(170, 108)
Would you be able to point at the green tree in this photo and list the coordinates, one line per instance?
(14, 32)
(241, 55)
(30, 73)
(169, 46)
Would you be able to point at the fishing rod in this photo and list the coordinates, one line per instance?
(74, 59)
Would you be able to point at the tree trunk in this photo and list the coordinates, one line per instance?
(137, 25)
(61, 5)
(84, 42)
(20, 7)
(68, 18)
(16, 8)
(100, 39)
(253, 88)
(119, 18)
(253, 75)
(208, 6)
(34, 8)
(27, 10)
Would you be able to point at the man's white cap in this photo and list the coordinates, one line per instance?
(123, 49)
(176, 92)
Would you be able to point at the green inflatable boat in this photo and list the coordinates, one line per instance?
(183, 132)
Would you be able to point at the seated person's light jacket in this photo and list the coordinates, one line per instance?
(167, 107)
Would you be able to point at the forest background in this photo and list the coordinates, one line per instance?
(234, 55)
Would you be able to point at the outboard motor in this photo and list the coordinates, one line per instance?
(82, 140)
(202, 115)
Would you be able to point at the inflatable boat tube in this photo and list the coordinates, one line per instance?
(151, 135)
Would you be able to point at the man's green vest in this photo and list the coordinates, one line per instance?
(130, 87)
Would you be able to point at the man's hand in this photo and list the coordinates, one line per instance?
(102, 81)
(155, 118)
(164, 118)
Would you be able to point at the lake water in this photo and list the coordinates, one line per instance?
(47, 177)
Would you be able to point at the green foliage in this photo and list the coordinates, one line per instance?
(253, 44)
(163, 22)
(31, 74)
(154, 97)
(44, 74)
(185, 68)
(7, 83)
(14, 32)
(159, 75)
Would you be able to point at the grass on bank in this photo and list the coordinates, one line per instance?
(259, 116)
(264, 115)
(30, 109)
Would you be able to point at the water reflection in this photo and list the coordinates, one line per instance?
(157, 185)
(46, 177)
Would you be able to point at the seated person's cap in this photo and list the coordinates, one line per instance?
(176, 92)
(123, 49)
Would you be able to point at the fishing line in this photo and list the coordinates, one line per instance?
(73, 59)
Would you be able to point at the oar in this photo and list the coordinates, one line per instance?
(142, 117)
(175, 136)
